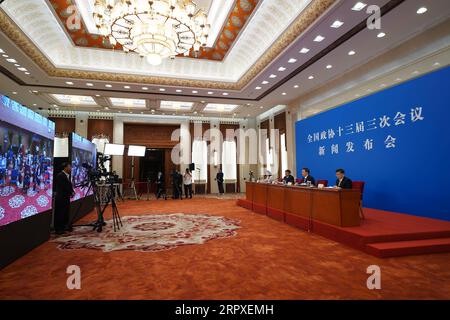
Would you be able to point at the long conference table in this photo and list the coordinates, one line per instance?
(339, 207)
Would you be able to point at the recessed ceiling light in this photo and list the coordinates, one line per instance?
(351, 53)
(70, 83)
(422, 10)
(292, 60)
(14, 92)
(225, 93)
(142, 112)
(11, 60)
(34, 91)
(265, 82)
(210, 92)
(329, 66)
(416, 72)
(22, 69)
(108, 85)
(284, 93)
(319, 38)
(27, 73)
(359, 6)
(34, 104)
(281, 68)
(1, 51)
(179, 90)
(98, 110)
(97, 95)
(16, 65)
(273, 76)
(436, 64)
(202, 101)
(311, 77)
(126, 87)
(296, 86)
(162, 89)
(194, 91)
(304, 50)
(90, 84)
(195, 112)
(5, 56)
(398, 79)
(337, 24)
(381, 35)
(106, 108)
(258, 88)
(144, 88)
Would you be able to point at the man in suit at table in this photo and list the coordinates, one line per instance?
(63, 191)
(307, 177)
(342, 181)
(288, 177)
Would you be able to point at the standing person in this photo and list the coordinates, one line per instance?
(63, 192)
(187, 180)
(177, 181)
(219, 179)
(160, 188)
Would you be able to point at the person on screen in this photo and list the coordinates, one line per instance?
(342, 181)
(63, 191)
(307, 177)
(288, 177)
(187, 181)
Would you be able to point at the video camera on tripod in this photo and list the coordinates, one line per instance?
(94, 180)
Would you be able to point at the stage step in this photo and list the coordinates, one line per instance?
(406, 248)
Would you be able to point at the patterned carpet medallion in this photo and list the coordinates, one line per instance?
(151, 233)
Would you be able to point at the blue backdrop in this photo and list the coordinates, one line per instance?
(397, 141)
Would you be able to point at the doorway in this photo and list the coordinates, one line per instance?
(151, 164)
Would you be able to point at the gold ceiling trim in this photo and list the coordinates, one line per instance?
(302, 22)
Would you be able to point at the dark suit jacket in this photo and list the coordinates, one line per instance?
(345, 184)
(289, 178)
(309, 178)
(63, 187)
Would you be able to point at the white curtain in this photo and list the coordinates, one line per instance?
(200, 159)
(284, 165)
(229, 156)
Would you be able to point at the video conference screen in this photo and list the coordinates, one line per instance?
(83, 157)
(26, 162)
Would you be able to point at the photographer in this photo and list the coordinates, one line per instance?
(63, 192)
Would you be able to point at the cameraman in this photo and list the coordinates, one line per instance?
(63, 192)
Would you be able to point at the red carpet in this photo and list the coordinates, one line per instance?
(266, 259)
(382, 233)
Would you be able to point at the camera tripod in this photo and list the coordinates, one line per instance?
(100, 222)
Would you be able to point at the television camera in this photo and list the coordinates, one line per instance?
(98, 178)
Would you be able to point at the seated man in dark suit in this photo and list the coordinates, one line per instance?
(288, 177)
(63, 191)
(342, 181)
(307, 177)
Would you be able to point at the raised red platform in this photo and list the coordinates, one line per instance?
(382, 234)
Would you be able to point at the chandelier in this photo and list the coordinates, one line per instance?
(156, 29)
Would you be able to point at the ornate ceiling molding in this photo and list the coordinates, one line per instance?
(301, 23)
(236, 20)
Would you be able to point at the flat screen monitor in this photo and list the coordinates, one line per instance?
(137, 151)
(112, 149)
(26, 162)
(83, 158)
